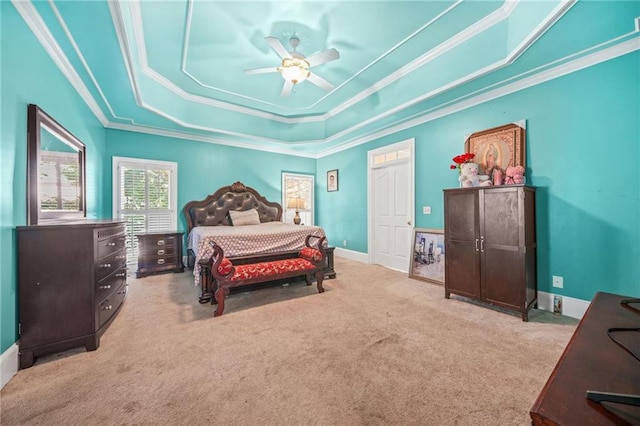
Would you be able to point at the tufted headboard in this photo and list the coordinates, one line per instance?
(214, 210)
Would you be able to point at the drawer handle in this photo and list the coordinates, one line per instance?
(160, 261)
(121, 257)
(105, 265)
(160, 242)
(121, 275)
(107, 308)
(111, 244)
(160, 252)
(105, 287)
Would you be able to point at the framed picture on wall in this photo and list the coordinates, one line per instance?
(427, 255)
(332, 180)
(499, 147)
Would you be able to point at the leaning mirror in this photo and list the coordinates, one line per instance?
(55, 170)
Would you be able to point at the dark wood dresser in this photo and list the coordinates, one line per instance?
(593, 362)
(159, 252)
(72, 282)
(490, 244)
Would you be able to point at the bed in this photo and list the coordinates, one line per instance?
(210, 220)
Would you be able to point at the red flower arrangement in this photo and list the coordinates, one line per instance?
(461, 159)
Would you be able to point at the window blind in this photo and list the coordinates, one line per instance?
(145, 200)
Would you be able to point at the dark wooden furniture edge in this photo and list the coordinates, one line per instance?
(588, 349)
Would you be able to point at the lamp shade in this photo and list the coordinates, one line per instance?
(294, 70)
(295, 203)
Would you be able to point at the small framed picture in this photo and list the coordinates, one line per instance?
(332, 180)
(427, 255)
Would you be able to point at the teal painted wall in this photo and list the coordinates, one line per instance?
(583, 139)
(29, 76)
(205, 167)
(582, 152)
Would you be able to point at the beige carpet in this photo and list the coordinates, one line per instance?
(375, 348)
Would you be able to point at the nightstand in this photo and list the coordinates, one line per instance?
(159, 252)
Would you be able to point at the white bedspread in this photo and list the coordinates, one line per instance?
(270, 237)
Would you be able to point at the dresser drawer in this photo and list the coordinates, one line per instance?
(107, 265)
(109, 284)
(110, 306)
(110, 241)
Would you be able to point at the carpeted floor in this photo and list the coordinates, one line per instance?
(376, 348)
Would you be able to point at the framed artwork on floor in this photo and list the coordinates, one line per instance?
(332, 180)
(499, 147)
(428, 255)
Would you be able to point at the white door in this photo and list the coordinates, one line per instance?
(392, 193)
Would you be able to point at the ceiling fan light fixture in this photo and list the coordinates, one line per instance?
(294, 70)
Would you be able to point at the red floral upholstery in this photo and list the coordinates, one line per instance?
(225, 266)
(265, 269)
(310, 253)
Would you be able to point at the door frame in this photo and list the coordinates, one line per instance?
(407, 144)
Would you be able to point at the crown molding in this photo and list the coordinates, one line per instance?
(39, 28)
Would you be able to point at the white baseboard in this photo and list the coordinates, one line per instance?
(574, 308)
(8, 364)
(352, 255)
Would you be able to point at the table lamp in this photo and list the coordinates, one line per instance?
(296, 203)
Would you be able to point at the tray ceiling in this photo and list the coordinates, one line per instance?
(177, 67)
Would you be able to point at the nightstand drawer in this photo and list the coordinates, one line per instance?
(159, 251)
(158, 241)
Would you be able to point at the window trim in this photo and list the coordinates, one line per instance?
(115, 181)
(311, 208)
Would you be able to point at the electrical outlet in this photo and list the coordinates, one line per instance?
(557, 305)
(558, 281)
(426, 210)
(344, 243)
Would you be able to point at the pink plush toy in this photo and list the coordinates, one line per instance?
(513, 175)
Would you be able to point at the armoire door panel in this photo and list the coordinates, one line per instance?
(503, 277)
(500, 218)
(462, 270)
(461, 220)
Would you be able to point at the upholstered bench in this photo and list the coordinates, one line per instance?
(309, 262)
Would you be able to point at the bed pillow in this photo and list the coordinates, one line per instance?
(247, 217)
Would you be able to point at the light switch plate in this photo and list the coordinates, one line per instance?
(426, 210)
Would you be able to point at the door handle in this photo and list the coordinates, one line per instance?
(408, 222)
(476, 244)
(482, 244)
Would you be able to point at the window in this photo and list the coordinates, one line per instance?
(298, 190)
(59, 181)
(145, 195)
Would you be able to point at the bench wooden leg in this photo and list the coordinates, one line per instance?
(319, 278)
(307, 279)
(221, 293)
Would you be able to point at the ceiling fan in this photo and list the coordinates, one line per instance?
(295, 66)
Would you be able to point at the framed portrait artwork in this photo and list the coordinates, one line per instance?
(332, 180)
(500, 147)
(428, 255)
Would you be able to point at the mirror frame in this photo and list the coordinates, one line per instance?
(36, 118)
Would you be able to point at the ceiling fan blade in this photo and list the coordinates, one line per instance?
(323, 57)
(277, 46)
(260, 70)
(319, 81)
(286, 89)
